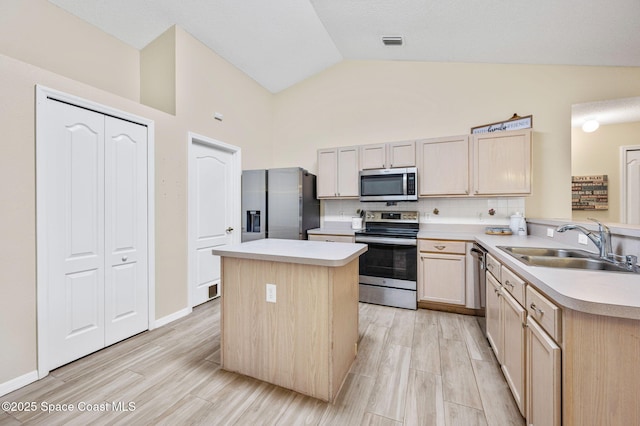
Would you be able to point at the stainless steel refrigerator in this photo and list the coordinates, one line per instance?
(279, 203)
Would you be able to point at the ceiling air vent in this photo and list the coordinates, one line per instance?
(392, 40)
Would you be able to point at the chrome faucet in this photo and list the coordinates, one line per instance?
(602, 240)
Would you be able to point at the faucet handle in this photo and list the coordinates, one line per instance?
(601, 226)
(631, 260)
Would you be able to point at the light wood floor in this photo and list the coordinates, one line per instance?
(413, 368)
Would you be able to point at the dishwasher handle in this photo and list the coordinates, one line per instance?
(480, 254)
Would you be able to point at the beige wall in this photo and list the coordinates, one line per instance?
(158, 72)
(598, 153)
(42, 34)
(362, 102)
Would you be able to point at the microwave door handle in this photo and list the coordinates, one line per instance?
(404, 184)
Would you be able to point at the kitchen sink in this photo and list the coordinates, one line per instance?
(564, 258)
(572, 262)
(542, 251)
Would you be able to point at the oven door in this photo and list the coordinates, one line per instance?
(389, 262)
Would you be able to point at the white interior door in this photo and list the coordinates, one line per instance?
(126, 282)
(96, 230)
(214, 212)
(75, 252)
(632, 186)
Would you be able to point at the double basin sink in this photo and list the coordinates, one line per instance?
(564, 258)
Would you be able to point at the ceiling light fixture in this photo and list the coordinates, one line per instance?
(392, 40)
(590, 126)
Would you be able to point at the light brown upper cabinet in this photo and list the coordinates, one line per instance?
(443, 166)
(502, 163)
(338, 172)
(388, 155)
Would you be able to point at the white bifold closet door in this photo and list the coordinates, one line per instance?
(97, 255)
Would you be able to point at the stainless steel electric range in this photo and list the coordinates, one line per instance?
(388, 270)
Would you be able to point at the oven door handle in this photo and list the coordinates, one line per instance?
(388, 241)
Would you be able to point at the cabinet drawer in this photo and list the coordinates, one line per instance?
(513, 284)
(441, 246)
(332, 238)
(493, 266)
(544, 312)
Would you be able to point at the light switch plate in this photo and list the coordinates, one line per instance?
(550, 232)
(271, 293)
(582, 239)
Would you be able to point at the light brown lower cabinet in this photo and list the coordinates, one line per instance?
(543, 377)
(442, 272)
(514, 318)
(442, 278)
(529, 358)
(493, 316)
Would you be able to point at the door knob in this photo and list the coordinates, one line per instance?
(229, 229)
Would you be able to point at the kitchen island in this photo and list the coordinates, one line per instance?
(289, 312)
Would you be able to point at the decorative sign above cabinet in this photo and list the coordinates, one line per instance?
(514, 123)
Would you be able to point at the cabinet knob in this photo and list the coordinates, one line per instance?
(509, 284)
(536, 309)
(124, 258)
(229, 230)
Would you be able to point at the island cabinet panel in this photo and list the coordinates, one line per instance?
(306, 340)
(600, 374)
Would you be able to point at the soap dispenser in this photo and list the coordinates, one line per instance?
(514, 224)
(522, 226)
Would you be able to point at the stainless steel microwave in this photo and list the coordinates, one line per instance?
(389, 184)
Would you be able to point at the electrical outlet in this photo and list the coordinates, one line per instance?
(582, 239)
(271, 293)
(550, 232)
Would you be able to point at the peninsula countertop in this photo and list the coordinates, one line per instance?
(294, 251)
(613, 294)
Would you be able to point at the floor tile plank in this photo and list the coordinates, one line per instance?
(458, 379)
(390, 389)
(425, 401)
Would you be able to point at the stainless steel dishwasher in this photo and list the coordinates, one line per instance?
(479, 278)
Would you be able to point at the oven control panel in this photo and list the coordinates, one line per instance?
(392, 216)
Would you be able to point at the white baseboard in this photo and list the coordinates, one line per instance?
(18, 382)
(170, 318)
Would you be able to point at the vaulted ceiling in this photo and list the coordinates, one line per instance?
(281, 42)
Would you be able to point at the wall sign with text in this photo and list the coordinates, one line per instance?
(514, 123)
(590, 192)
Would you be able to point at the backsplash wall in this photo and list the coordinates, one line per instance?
(450, 210)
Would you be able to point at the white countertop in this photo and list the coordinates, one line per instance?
(332, 230)
(306, 252)
(614, 294)
(447, 235)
